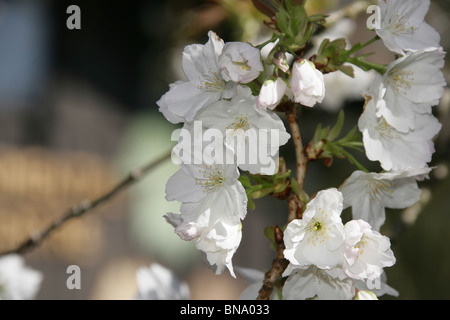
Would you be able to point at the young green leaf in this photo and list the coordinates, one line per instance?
(336, 131)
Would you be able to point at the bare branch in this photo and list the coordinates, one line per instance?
(86, 206)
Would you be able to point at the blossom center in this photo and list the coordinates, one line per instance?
(398, 25)
(385, 130)
(212, 81)
(317, 232)
(401, 80)
(377, 189)
(244, 65)
(239, 123)
(212, 179)
(361, 245)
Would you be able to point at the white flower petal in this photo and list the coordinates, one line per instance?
(159, 283)
(18, 281)
(307, 83)
(403, 27)
(271, 94)
(182, 187)
(318, 238)
(394, 149)
(313, 283)
(240, 62)
(367, 251)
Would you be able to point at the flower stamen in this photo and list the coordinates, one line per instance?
(239, 123)
(385, 130)
(244, 65)
(401, 80)
(212, 81)
(213, 179)
(377, 189)
(399, 25)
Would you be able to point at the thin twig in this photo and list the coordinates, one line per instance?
(301, 160)
(86, 206)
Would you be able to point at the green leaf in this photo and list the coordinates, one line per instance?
(353, 160)
(352, 137)
(245, 181)
(269, 232)
(333, 149)
(282, 18)
(367, 65)
(262, 193)
(280, 187)
(318, 18)
(259, 178)
(348, 70)
(298, 20)
(278, 178)
(250, 202)
(296, 187)
(336, 131)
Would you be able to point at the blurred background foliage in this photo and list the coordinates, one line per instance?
(78, 112)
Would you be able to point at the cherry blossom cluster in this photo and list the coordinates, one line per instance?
(330, 260)
(223, 116)
(215, 97)
(397, 124)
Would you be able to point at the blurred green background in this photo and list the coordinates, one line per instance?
(78, 112)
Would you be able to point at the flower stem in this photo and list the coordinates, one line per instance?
(358, 46)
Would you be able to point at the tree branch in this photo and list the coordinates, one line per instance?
(295, 205)
(86, 206)
(301, 160)
(279, 264)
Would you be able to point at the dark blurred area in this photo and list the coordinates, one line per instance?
(78, 112)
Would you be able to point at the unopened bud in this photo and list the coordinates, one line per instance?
(281, 62)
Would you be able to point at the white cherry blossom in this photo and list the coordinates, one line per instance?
(240, 62)
(370, 193)
(412, 84)
(367, 252)
(215, 232)
(18, 281)
(307, 83)
(318, 238)
(213, 204)
(253, 134)
(397, 150)
(204, 84)
(271, 93)
(402, 25)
